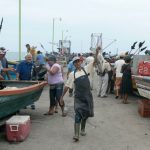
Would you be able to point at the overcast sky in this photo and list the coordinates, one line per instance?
(125, 20)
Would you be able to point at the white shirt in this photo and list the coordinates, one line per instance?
(118, 66)
(79, 73)
(89, 59)
(106, 66)
(100, 61)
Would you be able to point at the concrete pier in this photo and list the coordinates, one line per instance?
(116, 126)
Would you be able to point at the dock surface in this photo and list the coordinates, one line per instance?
(115, 126)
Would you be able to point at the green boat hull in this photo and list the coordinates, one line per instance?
(11, 103)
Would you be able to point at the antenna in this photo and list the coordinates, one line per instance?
(1, 24)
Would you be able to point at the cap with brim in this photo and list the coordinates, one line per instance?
(122, 54)
(75, 58)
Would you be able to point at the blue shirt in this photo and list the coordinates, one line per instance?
(40, 59)
(71, 67)
(25, 69)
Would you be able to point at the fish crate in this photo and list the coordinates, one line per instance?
(144, 108)
(18, 128)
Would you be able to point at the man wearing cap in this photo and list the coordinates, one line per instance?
(83, 99)
(3, 64)
(56, 82)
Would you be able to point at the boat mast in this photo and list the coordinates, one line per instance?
(19, 30)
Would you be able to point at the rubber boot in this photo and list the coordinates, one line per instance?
(76, 132)
(83, 123)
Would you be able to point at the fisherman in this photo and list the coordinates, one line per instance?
(83, 99)
(24, 70)
(4, 64)
(56, 83)
(126, 85)
(118, 65)
(103, 78)
(39, 69)
(32, 51)
(40, 59)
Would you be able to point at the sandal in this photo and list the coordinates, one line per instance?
(56, 110)
(64, 114)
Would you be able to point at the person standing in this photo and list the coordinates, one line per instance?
(103, 67)
(83, 99)
(118, 65)
(40, 59)
(126, 85)
(71, 68)
(24, 70)
(32, 51)
(103, 79)
(89, 60)
(56, 83)
(4, 65)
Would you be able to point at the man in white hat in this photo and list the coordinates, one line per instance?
(83, 99)
(3, 64)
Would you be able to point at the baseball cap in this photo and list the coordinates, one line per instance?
(75, 58)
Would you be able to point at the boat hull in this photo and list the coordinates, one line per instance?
(14, 99)
(143, 85)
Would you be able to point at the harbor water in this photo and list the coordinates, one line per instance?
(14, 56)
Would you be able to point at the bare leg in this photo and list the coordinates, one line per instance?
(126, 98)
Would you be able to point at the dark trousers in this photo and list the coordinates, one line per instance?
(78, 118)
(55, 93)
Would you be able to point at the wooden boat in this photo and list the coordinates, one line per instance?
(19, 94)
(143, 85)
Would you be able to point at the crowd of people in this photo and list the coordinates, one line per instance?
(80, 80)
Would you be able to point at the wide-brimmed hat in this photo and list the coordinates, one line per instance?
(75, 58)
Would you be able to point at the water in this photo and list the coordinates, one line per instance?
(14, 56)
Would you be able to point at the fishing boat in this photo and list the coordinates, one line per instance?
(143, 85)
(18, 94)
(141, 74)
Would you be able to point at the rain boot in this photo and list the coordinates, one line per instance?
(76, 132)
(83, 123)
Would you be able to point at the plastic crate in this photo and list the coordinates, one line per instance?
(144, 108)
